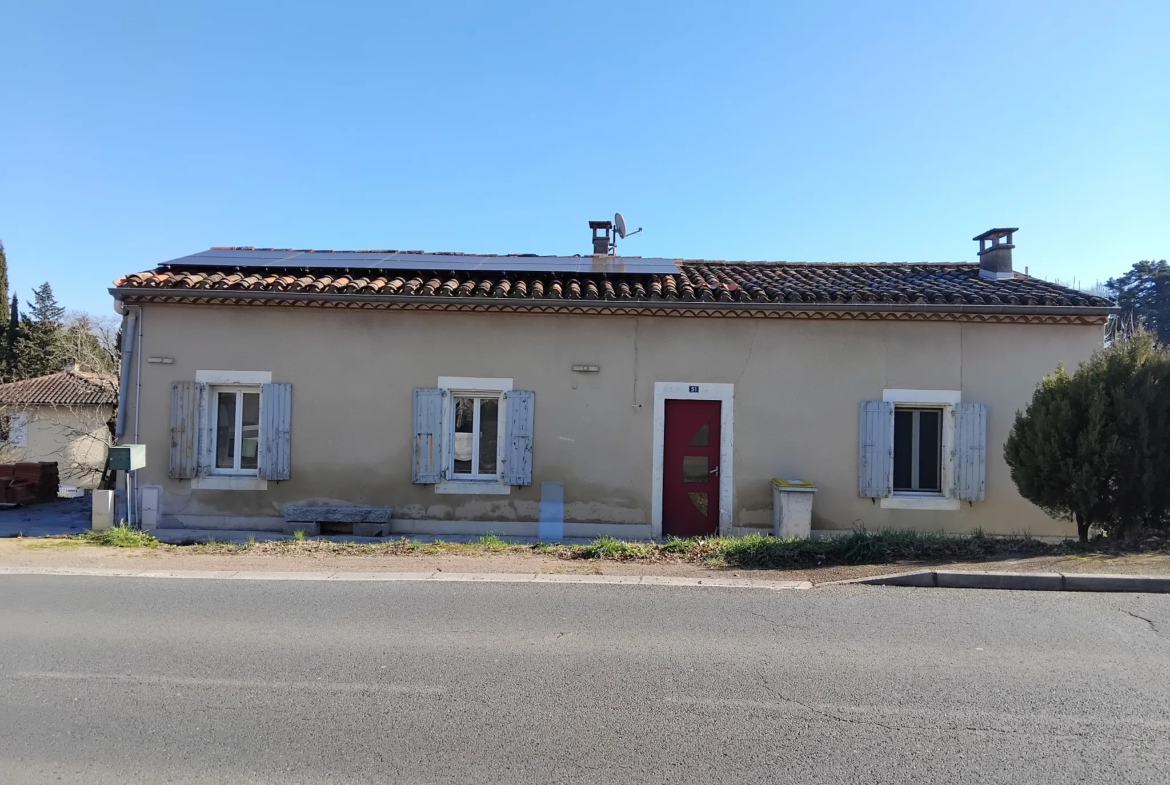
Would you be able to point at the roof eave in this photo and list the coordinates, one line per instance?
(699, 305)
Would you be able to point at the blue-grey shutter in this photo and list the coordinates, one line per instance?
(275, 431)
(970, 455)
(428, 422)
(518, 437)
(875, 451)
(184, 452)
(205, 449)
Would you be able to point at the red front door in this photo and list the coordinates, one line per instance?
(690, 467)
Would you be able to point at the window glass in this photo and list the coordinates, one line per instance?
(250, 431)
(918, 449)
(929, 449)
(702, 436)
(694, 468)
(464, 434)
(489, 420)
(225, 430)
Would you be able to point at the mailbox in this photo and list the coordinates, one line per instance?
(127, 457)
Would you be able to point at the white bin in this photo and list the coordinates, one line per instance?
(792, 502)
(102, 517)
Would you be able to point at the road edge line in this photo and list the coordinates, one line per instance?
(422, 577)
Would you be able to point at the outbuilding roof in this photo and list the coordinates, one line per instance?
(67, 388)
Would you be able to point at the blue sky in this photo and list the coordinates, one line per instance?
(132, 133)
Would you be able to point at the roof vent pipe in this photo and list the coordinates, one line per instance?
(995, 253)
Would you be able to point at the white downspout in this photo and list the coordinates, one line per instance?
(135, 503)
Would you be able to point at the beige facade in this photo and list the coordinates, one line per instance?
(75, 436)
(796, 385)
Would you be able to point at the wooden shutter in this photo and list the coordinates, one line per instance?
(428, 422)
(518, 437)
(275, 431)
(184, 454)
(970, 454)
(875, 452)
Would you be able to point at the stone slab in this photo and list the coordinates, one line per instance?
(312, 513)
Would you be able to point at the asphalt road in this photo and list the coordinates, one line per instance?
(151, 680)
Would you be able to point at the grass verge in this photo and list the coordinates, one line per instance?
(756, 551)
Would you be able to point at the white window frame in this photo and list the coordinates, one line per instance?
(213, 392)
(209, 478)
(472, 387)
(928, 500)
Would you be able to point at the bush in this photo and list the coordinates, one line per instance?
(1094, 446)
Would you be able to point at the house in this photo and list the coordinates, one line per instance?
(664, 395)
(63, 417)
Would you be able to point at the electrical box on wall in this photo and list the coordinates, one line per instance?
(127, 457)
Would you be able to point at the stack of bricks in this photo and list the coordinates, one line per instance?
(22, 483)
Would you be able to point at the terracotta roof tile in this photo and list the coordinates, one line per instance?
(944, 284)
(61, 389)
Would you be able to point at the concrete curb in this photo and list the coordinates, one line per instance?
(434, 577)
(1019, 581)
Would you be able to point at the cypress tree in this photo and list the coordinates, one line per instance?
(3, 286)
(11, 341)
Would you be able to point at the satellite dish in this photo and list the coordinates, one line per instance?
(620, 224)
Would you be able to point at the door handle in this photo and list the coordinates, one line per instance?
(714, 471)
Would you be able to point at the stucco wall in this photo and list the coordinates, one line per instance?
(76, 437)
(797, 388)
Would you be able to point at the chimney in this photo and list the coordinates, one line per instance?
(601, 241)
(995, 253)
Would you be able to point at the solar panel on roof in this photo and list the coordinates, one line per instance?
(233, 257)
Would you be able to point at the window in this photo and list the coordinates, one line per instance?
(918, 449)
(236, 413)
(230, 430)
(922, 450)
(475, 435)
(472, 435)
(14, 429)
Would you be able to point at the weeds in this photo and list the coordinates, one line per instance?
(299, 535)
(121, 536)
(606, 547)
(491, 542)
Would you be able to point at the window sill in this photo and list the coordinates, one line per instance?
(915, 502)
(473, 487)
(224, 483)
